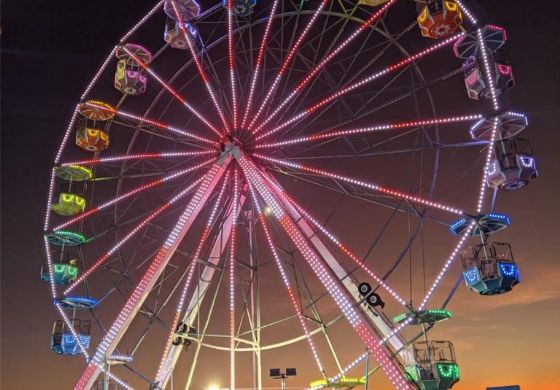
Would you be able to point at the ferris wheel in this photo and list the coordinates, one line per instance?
(283, 179)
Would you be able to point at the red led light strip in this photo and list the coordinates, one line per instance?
(317, 68)
(99, 262)
(154, 123)
(287, 61)
(358, 84)
(371, 129)
(258, 64)
(141, 156)
(188, 280)
(231, 61)
(372, 186)
(130, 193)
(331, 284)
(199, 67)
(173, 92)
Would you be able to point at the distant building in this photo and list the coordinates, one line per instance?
(512, 387)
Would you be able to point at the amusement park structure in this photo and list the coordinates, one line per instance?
(175, 227)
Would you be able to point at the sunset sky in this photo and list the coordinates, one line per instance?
(49, 52)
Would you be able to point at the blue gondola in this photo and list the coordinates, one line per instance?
(63, 340)
(489, 269)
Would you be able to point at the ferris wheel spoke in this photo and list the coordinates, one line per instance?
(139, 156)
(295, 106)
(344, 91)
(333, 285)
(200, 68)
(259, 63)
(132, 233)
(319, 67)
(377, 51)
(284, 276)
(485, 171)
(368, 108)
(232, 260)
(173, 93)
(328, 28)
(360, 183)
(322, 135)
(130, 193)
(339, 244)
(446, 266)
(153, 123)
(154, 271)
(231, 61)
(286, 63)
(218, 252)
(179, 310)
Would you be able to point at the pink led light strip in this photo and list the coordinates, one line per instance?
(231, 62)
(130, 193)
(371, 186)
(99, 262)
(317, 68)
(192, 267)
(232, 252)
(154, 123)
(371, 129)
(258, 64)
(332, 285)
(199, 67)
(343, 91)
(141, 156)
(174, 93)
(287, 61)
(286, 281)
(148, 280)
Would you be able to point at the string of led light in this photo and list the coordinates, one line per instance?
(358, 84)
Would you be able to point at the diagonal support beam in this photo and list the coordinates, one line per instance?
(190, 313)
(344, 292)
(141, 291)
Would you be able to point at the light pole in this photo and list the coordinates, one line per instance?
(275, 373)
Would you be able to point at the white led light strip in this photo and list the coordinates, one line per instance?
(317, 68)
(258, 64)
(199, 67)
(287, 61)
(155, 269)
(370, 129)
(332, 285)
(192, 267)
(360, 183)
(343, 91)
(331, 237)
(286, 281)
